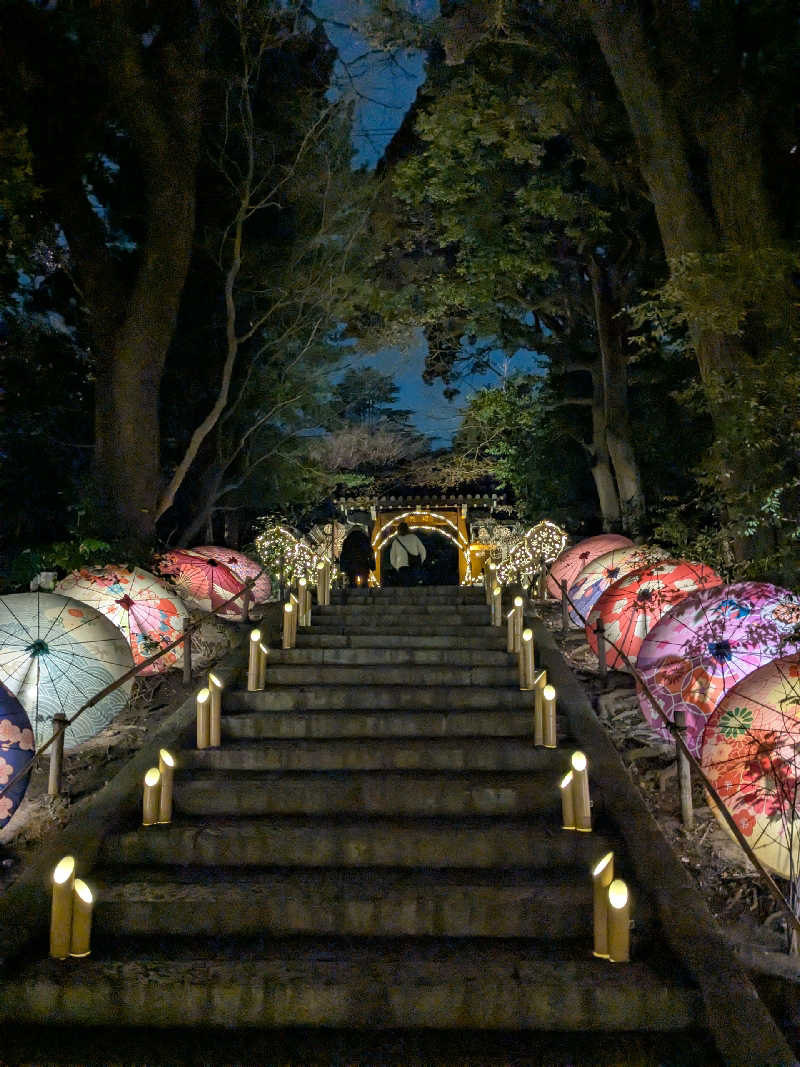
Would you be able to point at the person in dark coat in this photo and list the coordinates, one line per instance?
(357, 558)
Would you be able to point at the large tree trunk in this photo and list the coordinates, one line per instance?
(601, 461)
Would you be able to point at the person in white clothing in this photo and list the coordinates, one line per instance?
(407, 555)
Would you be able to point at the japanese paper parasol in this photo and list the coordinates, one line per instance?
(203, 581)
(603, 571)
(567, 566)
(632, 606)
(138, 603)
(56, 653)
(16, 749)
(751, 754)
(710, 641)
(243, 567)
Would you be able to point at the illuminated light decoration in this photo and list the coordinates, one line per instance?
(288, 556)
(151, 797)
(381, 537)
(203, 702)
(81, 933)
(166, 768)
(61, 908)
(545, 541)
(580, 792)
(567, 803)
(619, 922)
(215, 687)
(602, 877)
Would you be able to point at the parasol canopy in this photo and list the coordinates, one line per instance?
(710, 641)
(138, 603)
(603, 571)
(56, 653)
(571, 562)
(751, 754)
(632, 606)
(243, 567)
(204, 580)
(16, 749)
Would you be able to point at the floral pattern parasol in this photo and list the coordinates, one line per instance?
(703, 647)
(751, 754)
(571, 562)
(243, 567)
(204, 580)
(16, 749)
(138, 603)
(603, 571)
(632, 606)
(56, 653)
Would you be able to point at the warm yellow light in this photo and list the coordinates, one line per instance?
(527, 635)
(549, 692)
(321, 566)
(152, 777)
(64, 870)
(264, 649)
(578, 761)
(288, 608)
(617, 894)
(83, 891)
(166, 757)
(255, 636)
(302, 582)
(566, 780)
(215, 681)
(203, 696)
(496, 591)
(517, 601)
(601, 865)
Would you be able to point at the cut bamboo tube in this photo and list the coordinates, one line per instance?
(489, 580)
(321, 597)
(684, 772)
(263, 656)
(215, 687)
(510, 632)
(304, 597)
(288, 612)
(497, 606)
(151, 797)
(619, 922)
(81, 933)
(296, 609)
(166, 768)
(518, 621)
(602, 877)
(567, 805)
(540, 681)
(203, 718)
(61, 908)
(580, 792)
(253, 661)
(526, 669)
(187, 652)
(549, 716)
(564, 607)
(57, 754)
(600, 631)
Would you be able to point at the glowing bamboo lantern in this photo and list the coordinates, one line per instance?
(489, 581)
(497, 606)
(61, 908)
(252, 663)
(517, 623)
(203, 719)
(602, 877)
(567, 804)
(151, 797)
(580, 792)
(81, 933)
(304, 596)
(539, 683)
(166, 768)
(296, 610)
(619, 922)
(263, 656)
(215, 687)
(288, 612)
(549, 716)
(526, 669)
(322, 590)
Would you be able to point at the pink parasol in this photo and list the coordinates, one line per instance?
(750, 754)
(710, 641)
(632, 606)
(148, 613)
(571, 562)
(243, 567)
(603, 571)
(203, 580)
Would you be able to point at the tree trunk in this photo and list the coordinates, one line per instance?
(601, 461)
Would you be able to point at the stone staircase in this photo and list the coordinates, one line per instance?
(377, 844)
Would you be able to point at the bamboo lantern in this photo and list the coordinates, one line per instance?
(549, 716)
(215, 687)
(322, 597)
(81, 933)
(304, 596)
(253, 661)
(497, 606)
(517, 623)
(263, 656)
(602, 877)
(580, 792)
(203, 719)
(61, 908)
(489, 580)
(619, 922)
(526, 669)
(288, 612)
(297, 608)
(540, 681)
(166, 768)
(567, 804)
(151, 797)
(510, 631)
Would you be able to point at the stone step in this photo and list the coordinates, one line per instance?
(418, 657)
(284, 841)
(434, 610)
(456, 594)
(374, 754)
(367, 793)
(494, 640)
(408, 624)
(388, 674)
(265, 724)
(377, 985)
(151, 902)
(360, 697)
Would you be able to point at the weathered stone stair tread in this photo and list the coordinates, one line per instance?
(305, 841)
(433, 657)
(375, 724)
(357, 697)
(408, 753)
(367, 792)
(391, 630)
(375, 985)
(391, 674)
(441, 612)
(495, 639)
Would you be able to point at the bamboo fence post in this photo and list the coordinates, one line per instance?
(600, 629)
(564, 606)
(187, 652)
(684, 773)
(57, 755)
